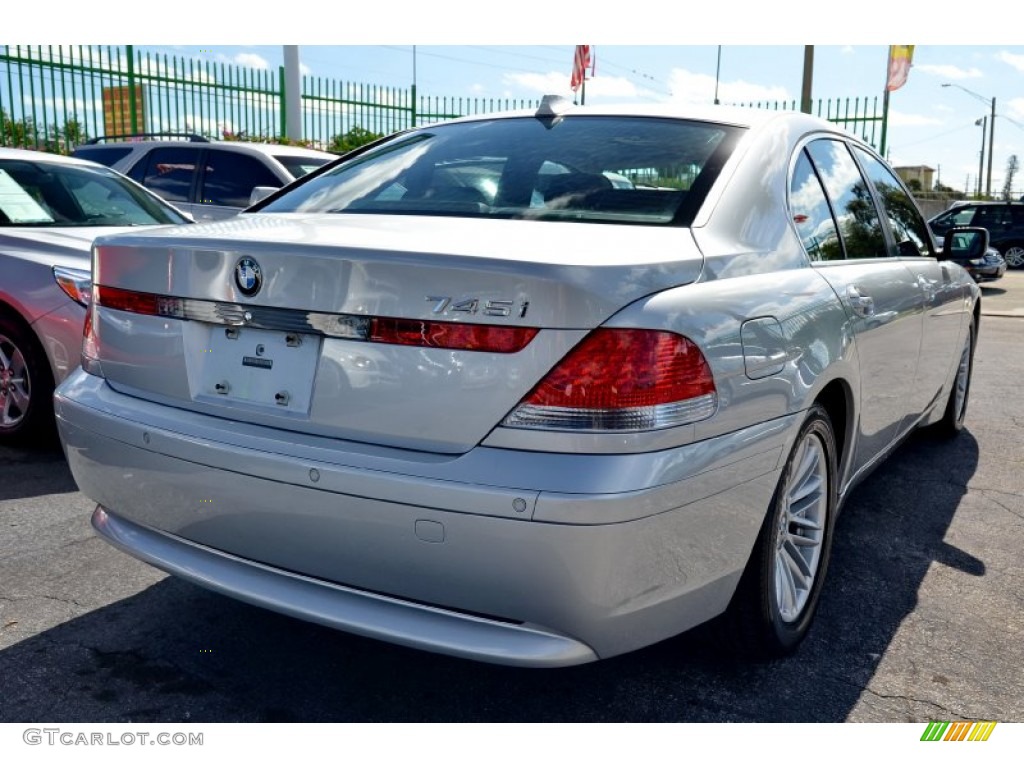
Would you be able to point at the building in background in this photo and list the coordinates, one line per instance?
(922, 174)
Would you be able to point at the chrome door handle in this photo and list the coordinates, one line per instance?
(859, 303)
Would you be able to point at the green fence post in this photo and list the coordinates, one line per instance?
(133, 107)
(281, 102)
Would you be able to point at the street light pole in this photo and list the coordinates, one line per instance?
(991, 148)
(981, 158)
(991, 130)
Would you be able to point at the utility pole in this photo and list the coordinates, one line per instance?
(292, 93)
(718, 71)
(805, 91)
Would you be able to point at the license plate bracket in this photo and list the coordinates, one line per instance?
(252, 366)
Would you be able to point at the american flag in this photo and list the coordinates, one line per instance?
(583, 59)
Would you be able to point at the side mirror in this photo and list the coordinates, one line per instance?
(962, 243)
(259, 193)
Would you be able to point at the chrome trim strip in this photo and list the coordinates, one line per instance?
(340, 326)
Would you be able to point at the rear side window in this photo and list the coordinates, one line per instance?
(856, 215)
(992, 216)
(812, 215)
(229, 178)
(169, 171)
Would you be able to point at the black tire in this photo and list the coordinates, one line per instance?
(770, 614)
(952, 423)
(26, 387)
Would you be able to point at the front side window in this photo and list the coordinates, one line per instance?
(601, 169)
(908, 227)
(958, 217)
(856, 215)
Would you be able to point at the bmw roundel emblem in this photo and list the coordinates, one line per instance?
(248, 276)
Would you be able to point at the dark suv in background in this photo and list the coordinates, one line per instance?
(1004, 222)
(207, 179)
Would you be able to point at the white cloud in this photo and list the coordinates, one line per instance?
(1016, 108)
(905, 120)
(1013, 59)
(252, 60)
(558, 83)
(948, 71)
(690, 87)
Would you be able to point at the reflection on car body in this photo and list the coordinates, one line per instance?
(51, 209)
(698, 368)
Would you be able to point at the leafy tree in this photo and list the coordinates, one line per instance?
(356, 137)
(25, 133)
(1011, 171)
(16, 133)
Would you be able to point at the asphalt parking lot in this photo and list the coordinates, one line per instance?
(922, 616)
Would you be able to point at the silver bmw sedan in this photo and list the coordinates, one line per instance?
(534, 388)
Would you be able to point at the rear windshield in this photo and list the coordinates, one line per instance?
(44, 194)
(604, 169)
(105, 155)
(299, 166)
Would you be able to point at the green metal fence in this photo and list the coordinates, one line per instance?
(860, 116)
(54, 97)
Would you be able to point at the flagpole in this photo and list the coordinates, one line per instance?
(885, 103)
(885, 121)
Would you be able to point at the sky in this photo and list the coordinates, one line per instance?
(644, 53)
(928, 124)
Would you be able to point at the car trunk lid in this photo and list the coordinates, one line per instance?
(299, 350)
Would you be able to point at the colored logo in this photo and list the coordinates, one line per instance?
(248, 276)
(958, 731)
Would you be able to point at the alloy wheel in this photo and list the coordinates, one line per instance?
(1014, 256)
(800, 528)
(15, 386)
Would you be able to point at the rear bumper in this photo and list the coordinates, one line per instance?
(497, 555)
(339, 607)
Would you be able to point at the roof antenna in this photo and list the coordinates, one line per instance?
(551, 109)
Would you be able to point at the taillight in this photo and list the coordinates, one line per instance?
(475, 338)
(622, 380)
(90, 344)
(76, 283)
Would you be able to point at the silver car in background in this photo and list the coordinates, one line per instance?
(462, 392)
(51, 209)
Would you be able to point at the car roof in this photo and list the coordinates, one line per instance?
(743, 117)
(40, 156)
(247, 147)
